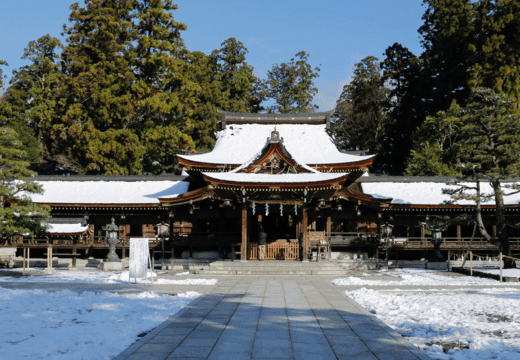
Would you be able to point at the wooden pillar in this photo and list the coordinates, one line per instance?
(305, 234)
(458, 232)
(74, 251)
(243, 248)
(494, 231)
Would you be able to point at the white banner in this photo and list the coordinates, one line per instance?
(139, 255)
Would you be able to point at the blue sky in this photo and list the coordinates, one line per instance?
(336, 33)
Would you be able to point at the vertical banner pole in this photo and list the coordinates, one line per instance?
(305, 234)
(243, 247)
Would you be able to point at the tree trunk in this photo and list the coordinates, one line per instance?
(478, 215)
(500, 217)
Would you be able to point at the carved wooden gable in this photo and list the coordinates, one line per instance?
(275, 159)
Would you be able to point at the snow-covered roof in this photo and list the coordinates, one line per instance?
(76, 228)
(308, 144)
(268, 178)
(108, 192)
(425, 193)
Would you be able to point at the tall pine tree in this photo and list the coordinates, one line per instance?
(33, 96)
(122, 107)
(291, 85)
(359, 112)
(18, 215)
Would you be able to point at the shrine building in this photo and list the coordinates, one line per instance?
(279, 172)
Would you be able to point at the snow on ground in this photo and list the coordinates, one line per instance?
(417, 277)
(480, 324)
(102, 277)
(37, 324)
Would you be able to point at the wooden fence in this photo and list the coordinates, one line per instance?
(276, 251)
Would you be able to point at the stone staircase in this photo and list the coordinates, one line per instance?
(273, 267)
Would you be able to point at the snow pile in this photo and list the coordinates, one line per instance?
(183, 273)
(418, 277)
(104, 277)
(482, 324)
(37, 324)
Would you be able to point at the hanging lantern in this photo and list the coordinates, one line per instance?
(340, 208)
(281, 209)
(358, 211)
(266, 209)
(321, 203)
(227, 202)
(254, 208)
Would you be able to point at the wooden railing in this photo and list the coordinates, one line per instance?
(82, 241)
(276, 251)
(347, 237)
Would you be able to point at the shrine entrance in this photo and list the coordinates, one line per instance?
(282, 241)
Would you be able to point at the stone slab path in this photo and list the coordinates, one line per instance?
(285, 318)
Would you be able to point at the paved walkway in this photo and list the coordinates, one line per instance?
(286, 318)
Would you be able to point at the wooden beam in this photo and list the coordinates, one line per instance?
(243, 248)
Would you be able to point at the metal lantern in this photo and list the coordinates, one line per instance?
(340, 208)
(387, 233)
(321, 203)
(437, 233)
(112, 238)
(171, 214)
(162, 229)
(387, 229)
(437, 241)
(227, 202)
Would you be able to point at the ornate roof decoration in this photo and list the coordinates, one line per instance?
(275, 137)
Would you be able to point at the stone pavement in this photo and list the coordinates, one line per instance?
(273, 318)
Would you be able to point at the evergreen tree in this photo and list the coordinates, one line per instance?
(203, 96)
(2, 76)
(235, 75)
(495, 49)
(435, 151)
(359, 115)
(18, 215)
(405, 110)
(448, 34)
(484, 139)
(291, 85)
(122, 63)
(33, 95)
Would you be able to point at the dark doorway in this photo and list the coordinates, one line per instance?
(278, 227)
